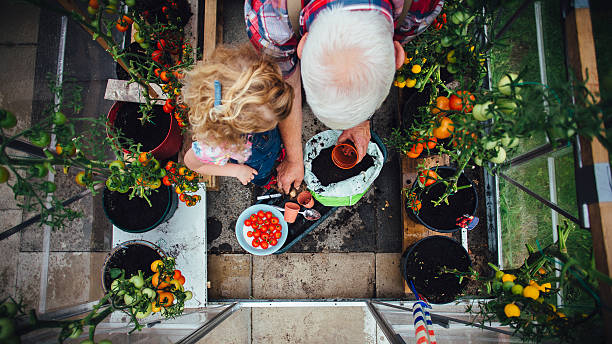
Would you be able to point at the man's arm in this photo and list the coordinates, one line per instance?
(291, 170)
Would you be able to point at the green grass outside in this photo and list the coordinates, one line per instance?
(524, 219)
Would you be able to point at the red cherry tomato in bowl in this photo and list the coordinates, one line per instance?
(273, 242)
(255, 243)
(269, 215)
(264, 245)
(261, 214)
(247, 223)
(250, 234)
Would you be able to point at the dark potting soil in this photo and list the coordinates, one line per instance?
(135, 214)
(131, 258)
(327, 172)
(151, 134)
(177, 14)
(424, 267)
(444, 216)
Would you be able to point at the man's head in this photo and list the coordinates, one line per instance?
(348, 62)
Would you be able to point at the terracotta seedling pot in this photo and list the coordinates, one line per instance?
(291, 211)
(344, 156)
(305, 199)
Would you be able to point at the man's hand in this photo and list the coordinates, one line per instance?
(290, 173)
(360, 136)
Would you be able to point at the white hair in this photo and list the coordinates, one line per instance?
(348, 65)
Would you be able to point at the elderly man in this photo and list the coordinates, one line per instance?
(349, 50)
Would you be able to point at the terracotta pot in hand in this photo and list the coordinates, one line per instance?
(291, 211)
(344, 155)
(305, 199)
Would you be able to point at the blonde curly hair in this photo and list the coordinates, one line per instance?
(254, 96)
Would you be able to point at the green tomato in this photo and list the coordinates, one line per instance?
(508, 285)
(38, 170)
(49, 187)
(509, 142)
(500, 157)
(7, 119)
(110, 184)
(451, 68)
(7, 328)
(459, 17)
(130, 3)
(488, 145)
(59, 118)
(481, 112)
(517, 289)
(506, 106)
(478, 160)
(8, 309)
(499, 274)
(504, 84)
(145, 45)
(116, 164)
(4, 174)
(115, 288)
(497, 285)
(150, 293)
(155, 163)
(141, 314)
(137, 281)
(188, 295)
(446, 41)
(123, 188)
(40, 139)
(92, 11)
(137, 37)
(136, 26)
(128, 299)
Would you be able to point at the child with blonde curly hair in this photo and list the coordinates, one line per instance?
(236, 99)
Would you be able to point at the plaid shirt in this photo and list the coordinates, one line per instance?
(270, 31)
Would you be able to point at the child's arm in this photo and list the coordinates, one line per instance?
(244, 173)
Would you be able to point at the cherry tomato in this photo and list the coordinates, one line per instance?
(256, 234)
(274, 220)
(247, 223)
(250, 234)
(260, 214)
(164, 76)
(260, 222)
(273, 242)
(278, 227)
(166, 181)
(265, 236)
(121, 27)
(177, 274)
(264, 245)
(182, 197)
(181, 280)
(278, 235)
(255, 243)
(269, 215)
(253, 217)
(254, 225)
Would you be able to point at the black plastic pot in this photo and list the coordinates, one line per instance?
(443, 217)
(422, 266)
(130, 256)
(136, 215)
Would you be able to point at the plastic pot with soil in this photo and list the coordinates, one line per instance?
(136, 215)
(443, 218)
(426, 263)
(161, 135)
(130, 256)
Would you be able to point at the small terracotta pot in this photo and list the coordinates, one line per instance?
(305, 199)
(291, 211)
(344, 155)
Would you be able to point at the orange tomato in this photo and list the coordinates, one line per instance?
(94, 4)
(128, 20)
(445, 130)
(415, 205)
(432, 142)
(156, 265)
(121, 26)
(165, 298)
(428, 177)
(154, 307)
(463, 101)
(181, 280)
(164, 76)
(177, 274)
(443, 103)
(143, 158)
(415, 150)
(157, 283)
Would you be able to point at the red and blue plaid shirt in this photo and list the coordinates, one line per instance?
(270, 30)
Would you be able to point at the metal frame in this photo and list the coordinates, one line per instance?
(392, 337)
(210, 325)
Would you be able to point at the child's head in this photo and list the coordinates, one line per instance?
(254, 96)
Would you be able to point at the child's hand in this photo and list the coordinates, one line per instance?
(245, 173)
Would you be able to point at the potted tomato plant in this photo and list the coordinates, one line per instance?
(134, 295)
(158, 132)
(424, 199)
(424, 266)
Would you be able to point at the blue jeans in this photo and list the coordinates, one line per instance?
(265, 150)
